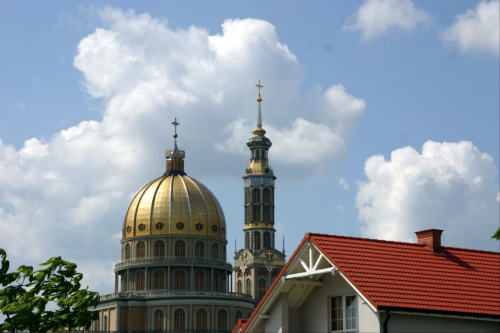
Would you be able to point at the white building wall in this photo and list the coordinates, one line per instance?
(429, 323)
(315, 316)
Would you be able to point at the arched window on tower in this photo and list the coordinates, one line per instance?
(249, 287)
(159, 315)
(267, 196)
(180, 279)
(256, 195)
(179, 319)
(159, 249)
(141, 250)
(247, 240)
(159, 279)
(127, 251)
(262, 287)
(256, 213)
(247, 196)
(139, 281)
(267, 240)
(199, 250)
(237, 315)
(215, 251)
(267, 214)
(239, 287)
(201, 319)
(256, 236)
(180, 249)
(257, 154)
(222, 320)
(199, 280)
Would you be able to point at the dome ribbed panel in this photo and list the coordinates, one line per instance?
(213, 211)
(131, 212)
(160, 207)
(179, 207)
(199, 215)
(143, 214)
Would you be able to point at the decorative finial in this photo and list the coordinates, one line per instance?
(259, 99)
(175, 123)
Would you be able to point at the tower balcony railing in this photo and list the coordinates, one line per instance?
(173, 293)
(167, 261)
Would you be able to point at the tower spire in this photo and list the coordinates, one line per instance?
(259, 131)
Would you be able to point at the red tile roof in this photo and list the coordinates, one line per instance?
(409, 276)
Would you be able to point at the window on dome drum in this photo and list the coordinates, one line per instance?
(201, 319)
(215, 282)
(159, 315)
(129, 229)
(141, 250)
(256, 240)
(215, 251)
(159, 249)
(159, 226)
(343, 314)
(179, 225)
(224, 251)
(180, 280)
(262, 288)
(159, 279)
(179, 319)
(267, 240)
(256, 213)
(239, 288)
(247, 240)
(105, 324)
(199, 250)
(237, 315)
(256, 195)
(127, 251)
(139, 281)
(199, 281)
(223, 230)
(180, 249)
(222, 320)
(124, 283)
(267, 196)
(249, 287)
(214, 228)
(142, 227)
(199, 226)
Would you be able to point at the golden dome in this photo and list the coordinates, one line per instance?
(174, 204)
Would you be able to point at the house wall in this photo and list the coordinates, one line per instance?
(425, 323)
(278, 321)
(315, 316)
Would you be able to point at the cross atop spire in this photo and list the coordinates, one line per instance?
(258, 85)
(175, 123)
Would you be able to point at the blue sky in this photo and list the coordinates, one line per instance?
(384, 117)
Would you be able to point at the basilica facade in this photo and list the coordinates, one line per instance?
(173, 274)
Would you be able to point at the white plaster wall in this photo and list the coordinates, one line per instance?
(315, 316)
(425, 323)
(278, 321)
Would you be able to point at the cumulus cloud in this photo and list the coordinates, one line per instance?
(67, 194)
(343, 183)
(447, 186)
(477, 30)
(376, 17)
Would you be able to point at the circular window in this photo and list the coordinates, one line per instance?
(199, 226)
(214, 228)
(223, 230)
(179, 225)
(142, 227)
(159, 225)
(129, 229)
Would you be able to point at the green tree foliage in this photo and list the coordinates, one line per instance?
(27, 295)
(497, 234)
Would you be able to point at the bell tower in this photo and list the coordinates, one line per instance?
(259, 262)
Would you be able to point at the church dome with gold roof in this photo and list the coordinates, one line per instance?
(174, 204)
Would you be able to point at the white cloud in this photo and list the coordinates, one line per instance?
(68, 194)
(376, 17)
(477, 30)
(343, 183)
(448, 186)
